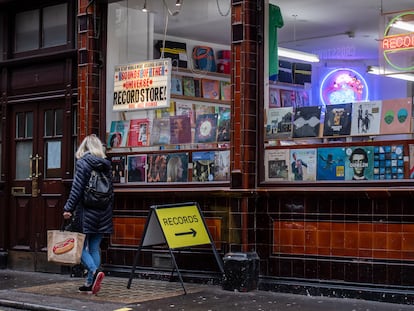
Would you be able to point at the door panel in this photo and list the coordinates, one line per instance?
(36, 187)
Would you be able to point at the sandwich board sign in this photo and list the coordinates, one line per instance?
(178, 226)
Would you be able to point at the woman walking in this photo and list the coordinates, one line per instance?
(93, 222)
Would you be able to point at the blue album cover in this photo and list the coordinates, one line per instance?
(331, 163)
(388, 162)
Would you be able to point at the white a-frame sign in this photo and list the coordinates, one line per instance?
(177, 225)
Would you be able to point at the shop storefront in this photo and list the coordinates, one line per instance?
(271, 161)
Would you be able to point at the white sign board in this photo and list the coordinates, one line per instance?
(144, 85)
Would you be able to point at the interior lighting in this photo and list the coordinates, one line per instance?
(178, 3)
(298, 55)
(388, 73)
(144, 8)
(404, 26)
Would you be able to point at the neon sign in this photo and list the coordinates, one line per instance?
(398, 42)
(343, 85)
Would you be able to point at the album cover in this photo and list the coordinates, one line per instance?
(160, 132)
(337, 120)
(197, 87)
(180, 130)
(359, 163)
(225, 90)
(167, 111)
(118, 135)
(396, 116)
(411, 159)
(388, 162)
(303, 164)
(276, 164)
(366, 118)
(222, 165)
(287, 98)
(185, 108)
(201, 109)
(188, 86)
(206, 128)
(203, 166)
(279, 123)
(138, 133)
(274, 98)
(118, 169)
(136, 168)
(156, 168)
(176, 85)
(177, 167)
(210, 88)
(307, 121)
(223, 124)
(302, 98)
(331, 163)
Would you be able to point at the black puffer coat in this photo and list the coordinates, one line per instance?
(91, 220)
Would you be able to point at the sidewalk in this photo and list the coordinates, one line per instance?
(56, 292)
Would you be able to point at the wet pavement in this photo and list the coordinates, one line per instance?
(58, 292)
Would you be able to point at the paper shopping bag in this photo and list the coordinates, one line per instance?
(64, 247)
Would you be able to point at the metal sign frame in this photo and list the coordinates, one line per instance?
(158, 231)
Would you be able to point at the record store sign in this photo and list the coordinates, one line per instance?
(144, 85)
(398, 42)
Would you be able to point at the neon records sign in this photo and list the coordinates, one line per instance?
(343, 85)
(398, 42)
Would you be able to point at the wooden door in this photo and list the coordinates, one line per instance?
(36, 197)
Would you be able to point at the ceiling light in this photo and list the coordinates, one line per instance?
(178, 3)
(299, 55)
(388, 73)
(144, 8)
(403, 25)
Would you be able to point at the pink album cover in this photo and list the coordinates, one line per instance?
(396, 116)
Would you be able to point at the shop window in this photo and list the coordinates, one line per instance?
(41, 28)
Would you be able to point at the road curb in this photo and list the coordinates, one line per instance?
(29, 306)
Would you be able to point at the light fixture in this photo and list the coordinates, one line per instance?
(144, 8)
(178, 3)
(404, 26)
(298, 55)
(388, 73)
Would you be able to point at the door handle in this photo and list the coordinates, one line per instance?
(33, 176)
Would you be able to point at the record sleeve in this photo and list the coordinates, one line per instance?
(302, 164)
(210, 89)
(366, 118)
(206, 128)
(136, 168)
(180, 130)
(276, 164)
(188, 86)
(160, 132)
(118, 135)
(396, 116)
(307, 121)
(337, 120)
(223, 124)
(177, 167)
(222, 165)
(138, 133)
(359, 163)
(331, 163)
(118, 169)
(279, 123)
(203, 166)
(388, 162)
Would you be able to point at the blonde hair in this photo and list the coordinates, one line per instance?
(173, 165)
(91, 144)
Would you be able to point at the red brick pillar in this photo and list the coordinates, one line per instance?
(244, 118)
(88, 68)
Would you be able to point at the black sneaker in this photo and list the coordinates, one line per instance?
(97, 280)
(85, 289)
